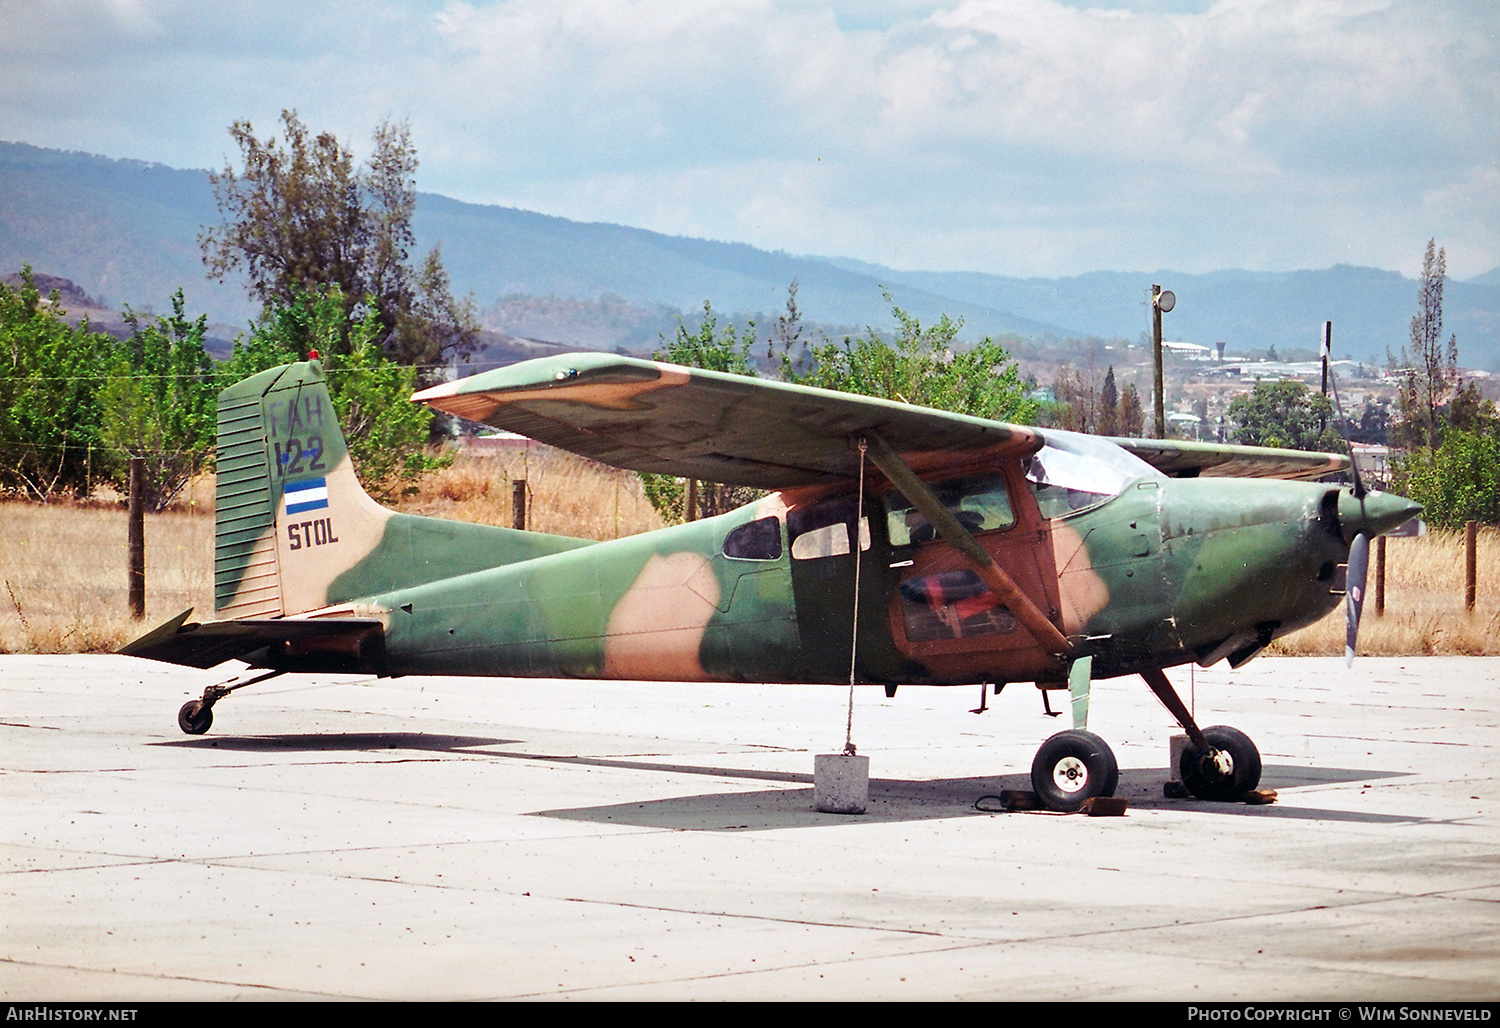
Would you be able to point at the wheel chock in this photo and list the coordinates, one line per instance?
(1019, 799)
(1103, 806)
(1014, 800)
(1255, 797)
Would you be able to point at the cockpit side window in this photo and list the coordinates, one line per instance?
(981, 503)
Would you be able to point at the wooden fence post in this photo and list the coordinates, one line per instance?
(136, 538)
(518, 504)
(1380, 576)
(1471, 545)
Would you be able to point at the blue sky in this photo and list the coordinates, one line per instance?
(1019, 137)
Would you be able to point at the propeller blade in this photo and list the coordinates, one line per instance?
(1354, 592)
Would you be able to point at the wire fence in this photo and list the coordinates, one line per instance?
(50, 473)
(64, 572)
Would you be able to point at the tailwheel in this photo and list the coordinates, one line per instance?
(1226, 771)
(195, 717)
(1072, 767)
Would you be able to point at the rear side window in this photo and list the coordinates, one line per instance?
(824, 530)
(759, 540)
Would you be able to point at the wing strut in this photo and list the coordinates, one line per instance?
(947, 526)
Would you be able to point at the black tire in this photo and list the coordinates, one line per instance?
(1203, 776)
(195, 717)
(1072, 767)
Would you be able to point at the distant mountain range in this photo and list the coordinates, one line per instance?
(127, 232)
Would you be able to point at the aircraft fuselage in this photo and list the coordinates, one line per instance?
(1164, 572)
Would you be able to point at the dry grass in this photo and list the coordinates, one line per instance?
(569, 495)
(64, 575)
(1424, 604)
(63, 585)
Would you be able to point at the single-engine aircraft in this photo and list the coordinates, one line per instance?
(897, 545)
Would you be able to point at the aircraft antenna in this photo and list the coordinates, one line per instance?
(859, 520)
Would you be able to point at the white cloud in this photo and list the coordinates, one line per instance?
(1023, 136)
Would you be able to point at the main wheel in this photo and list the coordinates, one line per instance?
(1071, 767)
(195, 717)
(1227, 773)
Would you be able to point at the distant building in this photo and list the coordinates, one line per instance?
(493, 444)
(1187, 351)
(1189, 426)
(1373, 462)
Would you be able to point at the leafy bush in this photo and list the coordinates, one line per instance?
(1458, 481)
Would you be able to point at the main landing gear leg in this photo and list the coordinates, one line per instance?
(1076, 765)
(1219, 763)
(196, 716)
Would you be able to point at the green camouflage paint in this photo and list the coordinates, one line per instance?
(1152, 573)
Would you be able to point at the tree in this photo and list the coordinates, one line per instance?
(49, 394)
(301, 217)
(1372, 425)
(1429, 371)
(1132, 414)
(386, 434)
(712, 349)
(1284, 414)
(1109, 405)
(924, 367)
(927, 368)
(159, 403)
(1078, 396)
(787, 353)
(1105, 409)
(1455, 482)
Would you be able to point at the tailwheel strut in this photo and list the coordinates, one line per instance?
(1219, 763)
(196, 716)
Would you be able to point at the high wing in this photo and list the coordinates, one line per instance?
(662, 418)
(1180, 458)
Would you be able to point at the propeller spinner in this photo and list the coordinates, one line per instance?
(1364, 514)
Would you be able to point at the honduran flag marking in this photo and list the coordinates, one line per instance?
(309, 494)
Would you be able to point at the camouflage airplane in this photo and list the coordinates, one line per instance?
(897, 545)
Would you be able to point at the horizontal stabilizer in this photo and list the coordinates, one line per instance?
(289, 644)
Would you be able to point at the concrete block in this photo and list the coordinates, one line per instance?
(841, 783)
(1176, 745)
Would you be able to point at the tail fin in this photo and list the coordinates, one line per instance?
(290, 515)
(294, 530)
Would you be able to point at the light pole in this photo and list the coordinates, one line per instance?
(1162, 301)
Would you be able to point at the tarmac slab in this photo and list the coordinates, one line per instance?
(352, 838)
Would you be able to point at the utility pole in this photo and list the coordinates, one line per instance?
(1162, 301)
(1327, 355)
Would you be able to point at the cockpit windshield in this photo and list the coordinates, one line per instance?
(1072, 472)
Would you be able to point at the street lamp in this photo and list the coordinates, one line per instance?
(1162, 301)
